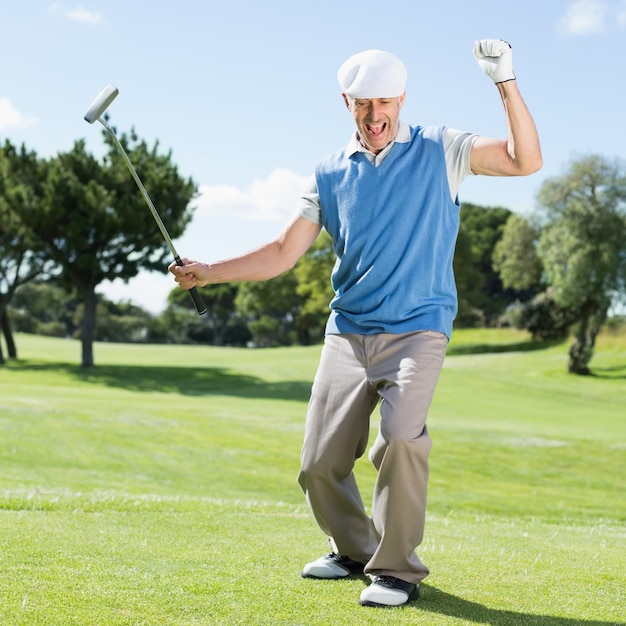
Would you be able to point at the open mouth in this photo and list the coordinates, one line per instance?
(376, 130)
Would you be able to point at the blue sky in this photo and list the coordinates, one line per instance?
(244, 93)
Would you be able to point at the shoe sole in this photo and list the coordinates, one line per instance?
(348, 575)
(350, 570)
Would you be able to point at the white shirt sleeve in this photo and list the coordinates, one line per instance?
(309, 203)
(457, 146)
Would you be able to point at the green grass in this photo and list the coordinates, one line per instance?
(159, 488)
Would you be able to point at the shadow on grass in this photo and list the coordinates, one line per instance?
(618, 371)
(491, 348)
(434, 600)
(191, 381)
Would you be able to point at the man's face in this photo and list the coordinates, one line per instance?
(377, 119)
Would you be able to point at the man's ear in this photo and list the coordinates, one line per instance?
(402, 98)
(346, 100)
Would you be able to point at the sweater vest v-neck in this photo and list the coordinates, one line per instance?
(394, 230)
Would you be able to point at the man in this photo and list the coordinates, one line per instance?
(389, 202)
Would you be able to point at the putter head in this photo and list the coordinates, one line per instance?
(101, 103)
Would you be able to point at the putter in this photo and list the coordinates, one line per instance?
(96, 110)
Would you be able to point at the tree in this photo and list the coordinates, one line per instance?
(582, 246)
(273, 310)
(482, 296)
(22, 176)
(294, 303)
(94, 223)
(542, 317)
(515, 255)
(313, 272)
(516, 260)
(121, 322)
(221, 318)
(44, 308)
(469, 281)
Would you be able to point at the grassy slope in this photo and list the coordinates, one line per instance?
(160, 489)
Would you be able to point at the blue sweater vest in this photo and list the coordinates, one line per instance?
(394, 230)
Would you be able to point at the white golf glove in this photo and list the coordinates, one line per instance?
(495, 59)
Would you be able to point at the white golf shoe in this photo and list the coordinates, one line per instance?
(331, 567)
(388, 591)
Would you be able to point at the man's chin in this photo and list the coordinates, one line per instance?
(374, 144)
(378, 145)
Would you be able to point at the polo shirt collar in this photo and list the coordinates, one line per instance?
(403, 136)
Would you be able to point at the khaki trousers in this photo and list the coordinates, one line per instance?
(355, 372)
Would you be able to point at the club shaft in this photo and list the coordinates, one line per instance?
(155, 214)
(193, 292)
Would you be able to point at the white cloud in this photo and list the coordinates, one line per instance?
(584, 17)
(273, 199)
(11, 118)
(77, 14)
(80, 14)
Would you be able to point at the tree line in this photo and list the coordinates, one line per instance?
(70, 222)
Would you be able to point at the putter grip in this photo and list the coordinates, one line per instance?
(198, 302)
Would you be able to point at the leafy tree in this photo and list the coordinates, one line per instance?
(296, 302)
(469, 281)
(21, 180)
(583, 246)
(515, 258)
(515, 255)
(94, 223)
(272, 309)
(542, 317)
(121, 322)
(176, 325)
(44, 308)
(221, 317)
(270, 331)
(313, 272)
(481, 293)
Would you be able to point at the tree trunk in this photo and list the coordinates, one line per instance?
(579, 351)
(3, 301)
(592, 318)
(88, 327)
(578, 358)
(304, 334)
(219, 330)
(8, 334)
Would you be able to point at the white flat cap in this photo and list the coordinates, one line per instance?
(372, 74)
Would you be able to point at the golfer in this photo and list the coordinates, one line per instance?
(389, 201)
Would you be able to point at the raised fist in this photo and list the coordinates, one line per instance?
(495, 59)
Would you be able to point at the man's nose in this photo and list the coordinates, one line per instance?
(374, 111)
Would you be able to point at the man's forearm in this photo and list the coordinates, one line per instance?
(523, 141)
(260, 264)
